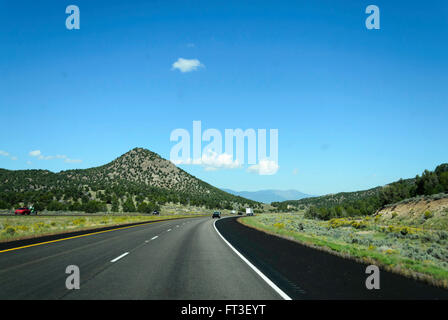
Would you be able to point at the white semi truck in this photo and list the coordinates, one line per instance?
(249, 212)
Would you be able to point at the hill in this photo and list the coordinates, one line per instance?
(330, 199)
(368, 202)
(427, 212)
(268, 196)
(138, 180)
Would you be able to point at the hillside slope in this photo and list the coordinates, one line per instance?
(427, 212)
(368, 202)
(139, 176)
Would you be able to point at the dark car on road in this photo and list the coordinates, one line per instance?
(23, 211)
(240, 213)
(155, 212)
(216, 214)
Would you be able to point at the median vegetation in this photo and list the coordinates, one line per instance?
(23, 227)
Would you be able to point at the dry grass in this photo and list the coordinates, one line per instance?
(24, 227)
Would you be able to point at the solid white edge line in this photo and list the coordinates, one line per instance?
(266, 279)
(153, 238)
(168, 230)
(119, 257)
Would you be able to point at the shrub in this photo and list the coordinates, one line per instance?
(10, 231)
(94, 206)
(22, 228)
(79, 221)
(339, 222)
(4, 205)
(56, 206)
(129, 206)
(391, 228)
(404, 231)
(428, 215)
(358, 224)
(443, 235)
(279, 225)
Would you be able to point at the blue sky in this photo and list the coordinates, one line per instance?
(355, 108)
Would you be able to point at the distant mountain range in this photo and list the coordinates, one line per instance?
(268, 196)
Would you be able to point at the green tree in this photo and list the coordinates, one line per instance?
(94, 206)
(115, 204)
(56, 206)
(128, 205)
(144, 207)
(4, 204)
(443, 178)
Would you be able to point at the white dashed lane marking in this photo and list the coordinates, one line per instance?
(119, 257)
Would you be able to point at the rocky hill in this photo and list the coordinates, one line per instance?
(144, 167)
(138, 177)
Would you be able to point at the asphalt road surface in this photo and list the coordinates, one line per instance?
(180, 259)
(305, 273)
(187, 259)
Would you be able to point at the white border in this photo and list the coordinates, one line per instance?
(266, 279)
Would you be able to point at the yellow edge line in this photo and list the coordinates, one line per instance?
(83, 235)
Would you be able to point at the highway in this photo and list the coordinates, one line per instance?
(193, 259)
(179, 259)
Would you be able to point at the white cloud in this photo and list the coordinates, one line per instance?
(38, 154)
(187, 65)
(295, 171)
(264, 167)
(7, 154)
(212, 161)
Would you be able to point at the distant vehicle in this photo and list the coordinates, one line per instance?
(233, 212)
(155, 212)
(216, 214)
(240, 213)
(23, 211)
(249, 212)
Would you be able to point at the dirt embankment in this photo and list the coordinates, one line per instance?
(418, 206)
(429, 212)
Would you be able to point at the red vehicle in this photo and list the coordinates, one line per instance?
(23, 211)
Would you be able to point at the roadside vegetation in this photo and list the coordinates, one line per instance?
(413, 244)
(22, 227)
(402, 226)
